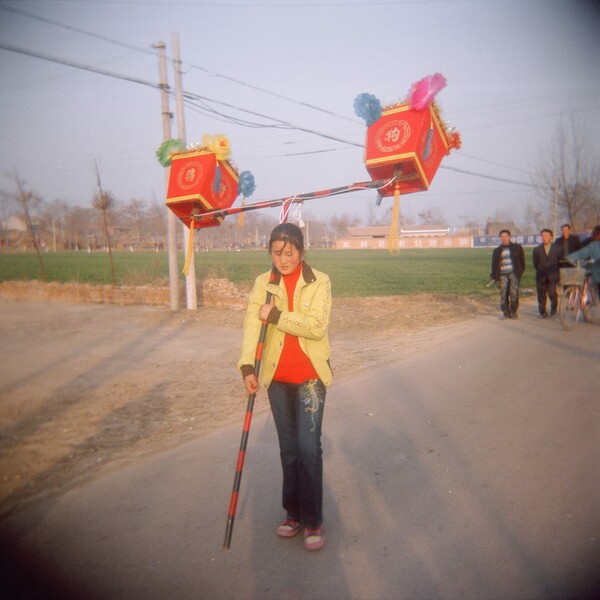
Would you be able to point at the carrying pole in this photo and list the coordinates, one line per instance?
(250, 406)
(220, 213)
(246, 429)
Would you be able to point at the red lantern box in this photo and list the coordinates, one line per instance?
(191, 186)
(408, 144)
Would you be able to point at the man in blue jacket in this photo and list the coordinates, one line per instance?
(591, 252)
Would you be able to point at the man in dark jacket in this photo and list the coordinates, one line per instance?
(567, 243)
(508, 265)
(546, 258)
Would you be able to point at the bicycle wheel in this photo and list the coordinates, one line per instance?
(569, 306)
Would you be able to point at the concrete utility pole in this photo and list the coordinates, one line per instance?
(171, 218)
(190, 278)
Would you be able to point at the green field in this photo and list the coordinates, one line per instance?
(462, 272)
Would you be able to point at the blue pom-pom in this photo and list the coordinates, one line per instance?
(367, 107)
(246, 185)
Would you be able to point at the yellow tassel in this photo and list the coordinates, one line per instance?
(240, 221)
(190, 250)
(394, 237)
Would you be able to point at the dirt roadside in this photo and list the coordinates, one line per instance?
(88, 387)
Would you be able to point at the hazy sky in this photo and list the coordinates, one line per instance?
(514, 69)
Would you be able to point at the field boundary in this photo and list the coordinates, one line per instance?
(211, 292)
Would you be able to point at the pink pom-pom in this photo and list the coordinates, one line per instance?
(423, 92)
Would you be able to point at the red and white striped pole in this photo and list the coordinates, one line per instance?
(249, 409)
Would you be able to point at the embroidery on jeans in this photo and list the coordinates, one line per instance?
(312, 401)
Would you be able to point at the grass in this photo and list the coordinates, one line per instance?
(83, 267)
(462, 272)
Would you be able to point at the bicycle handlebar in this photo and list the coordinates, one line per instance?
(582, 262)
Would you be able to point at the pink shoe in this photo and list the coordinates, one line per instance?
(314, 539)
(289, 528)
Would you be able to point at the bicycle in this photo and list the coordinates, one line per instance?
(577, 296)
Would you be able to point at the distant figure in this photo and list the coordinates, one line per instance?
(546, 258)
(567, 243)
(508, 266)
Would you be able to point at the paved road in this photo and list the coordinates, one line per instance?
(469, 468)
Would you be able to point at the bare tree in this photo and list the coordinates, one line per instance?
(340, 223)
(133, 213)
(432, 216)
(28, 201)
(504, 215)
(77, 226)
(535, 218)
(378, 217)
(568, 178)
(471, 224)
(54, 217)
(155, 223)
(6, 211)
(591, 193)
(104, 201)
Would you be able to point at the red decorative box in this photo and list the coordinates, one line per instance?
(408, 144)
(191, 186)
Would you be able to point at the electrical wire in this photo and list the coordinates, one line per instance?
(27, 14)
(278, 123)
(70, 63)
(24, 13)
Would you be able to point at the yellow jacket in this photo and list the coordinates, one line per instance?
(309, 322)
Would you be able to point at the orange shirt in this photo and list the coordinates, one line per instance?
(294, 366)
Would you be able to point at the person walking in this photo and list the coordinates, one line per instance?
(566, 243)
(295, 371)
(546, 259)
(508, 266)
(591, 252)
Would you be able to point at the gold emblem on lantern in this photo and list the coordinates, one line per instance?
(392, 136)
(190, 175)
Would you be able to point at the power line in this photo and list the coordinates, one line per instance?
(275, 95)
(279, 123)
(29, 15)
(490, 162)
(503, 179)
(70, 63)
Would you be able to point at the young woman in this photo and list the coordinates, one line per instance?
(295, 370)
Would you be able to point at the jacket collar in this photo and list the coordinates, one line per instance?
(307, 274)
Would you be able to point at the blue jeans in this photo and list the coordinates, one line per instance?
(298, 413)
(509, 290)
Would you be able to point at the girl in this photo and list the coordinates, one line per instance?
(295, 370)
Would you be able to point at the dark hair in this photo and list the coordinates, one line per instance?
(567, 226)
(504, 231)
(596, 231)
(289, 234)
(548, 230)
